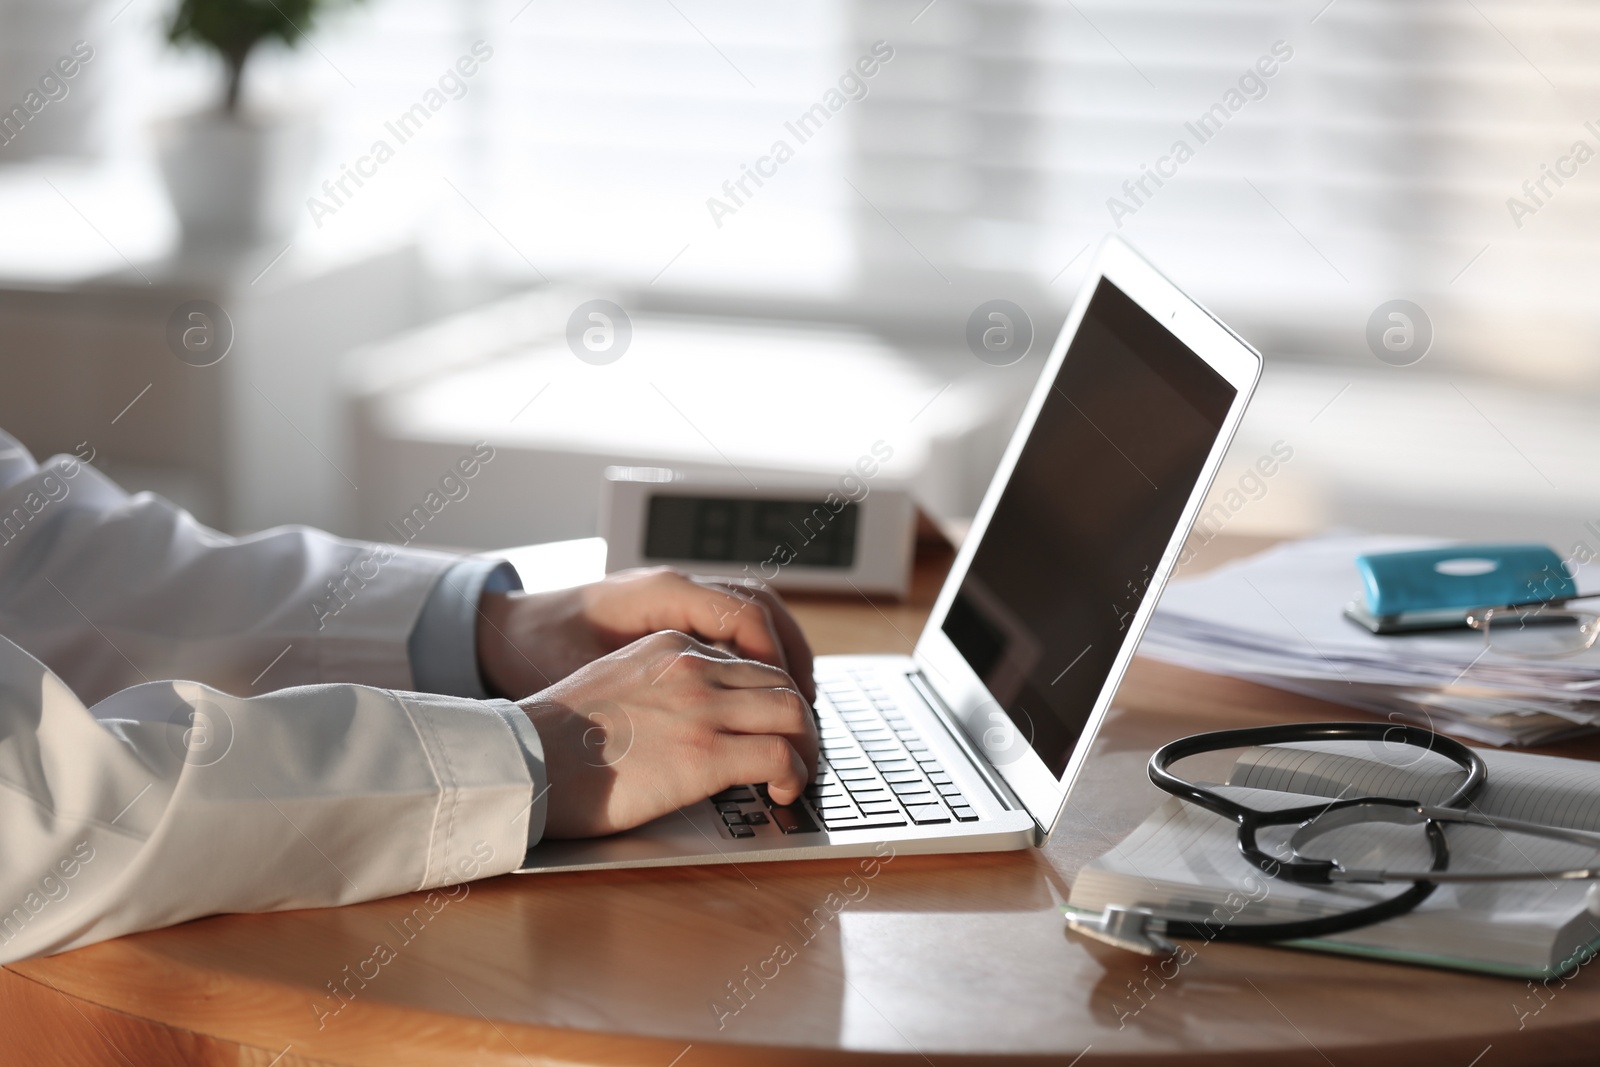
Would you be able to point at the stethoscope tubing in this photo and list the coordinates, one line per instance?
(1315, 872)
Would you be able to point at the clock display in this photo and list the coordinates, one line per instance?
(807, 533)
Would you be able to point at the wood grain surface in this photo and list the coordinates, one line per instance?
(938, 960)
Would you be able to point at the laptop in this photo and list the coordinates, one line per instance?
(972, 742)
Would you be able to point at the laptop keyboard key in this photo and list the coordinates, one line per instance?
(950, 790)
(875, 822)
(793, 819)
(879, 807)
(896, 765)
(741, 830)
(964, 814)
(927, 814)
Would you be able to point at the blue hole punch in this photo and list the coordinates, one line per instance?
(1435, 588)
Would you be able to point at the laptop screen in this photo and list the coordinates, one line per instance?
(1078, 532)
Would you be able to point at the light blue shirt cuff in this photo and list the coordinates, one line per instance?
(443, 646)
(533, 753)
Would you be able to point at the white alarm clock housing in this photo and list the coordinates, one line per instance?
(844, 534)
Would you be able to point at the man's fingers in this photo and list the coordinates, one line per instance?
(735, 673)
(783, 712)
(786, 631)
(755, 698)
(693, 646)
(719, 612)
(744, 758)
(683, 657)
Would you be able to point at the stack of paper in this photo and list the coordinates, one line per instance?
(1277, 618)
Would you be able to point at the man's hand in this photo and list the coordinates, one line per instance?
(662, 723)
(527, 641)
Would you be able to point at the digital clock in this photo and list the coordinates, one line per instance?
(799, 533)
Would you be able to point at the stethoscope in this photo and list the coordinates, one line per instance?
(1142, 930)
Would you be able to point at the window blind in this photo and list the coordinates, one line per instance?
(1318, 158)
(1384, 156)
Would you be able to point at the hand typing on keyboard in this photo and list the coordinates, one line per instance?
(527, 641)
(875, 773)
(661, 723)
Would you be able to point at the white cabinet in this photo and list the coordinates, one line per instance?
(258, 439)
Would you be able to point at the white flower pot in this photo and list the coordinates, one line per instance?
(237, 180)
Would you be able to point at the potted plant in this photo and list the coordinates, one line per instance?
(237, 174)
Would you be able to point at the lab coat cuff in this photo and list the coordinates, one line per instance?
(443, 644)
(363, 630)
(487, 768)
(533, 753)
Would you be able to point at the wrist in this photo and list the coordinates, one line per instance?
(494, 612)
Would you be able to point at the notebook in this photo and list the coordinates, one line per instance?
(1184, 861)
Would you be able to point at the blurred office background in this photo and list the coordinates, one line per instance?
(374, 342)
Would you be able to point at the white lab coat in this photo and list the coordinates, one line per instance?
(129, 801)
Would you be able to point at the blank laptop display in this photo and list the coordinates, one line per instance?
(1078, 533)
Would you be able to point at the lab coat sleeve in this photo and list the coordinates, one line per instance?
(110, 590)
(172, 800)
(443, 646)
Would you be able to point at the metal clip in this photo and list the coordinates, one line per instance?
(1131, 929)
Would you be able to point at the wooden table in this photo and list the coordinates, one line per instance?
(944, 960)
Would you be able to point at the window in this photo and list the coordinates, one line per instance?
(590, 137)
(1377, 161)
(1428, 150)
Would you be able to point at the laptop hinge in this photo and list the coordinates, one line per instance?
(947, 719)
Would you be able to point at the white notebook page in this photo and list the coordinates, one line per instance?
(1521, 785)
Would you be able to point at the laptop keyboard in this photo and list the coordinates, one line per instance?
(874, 772)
